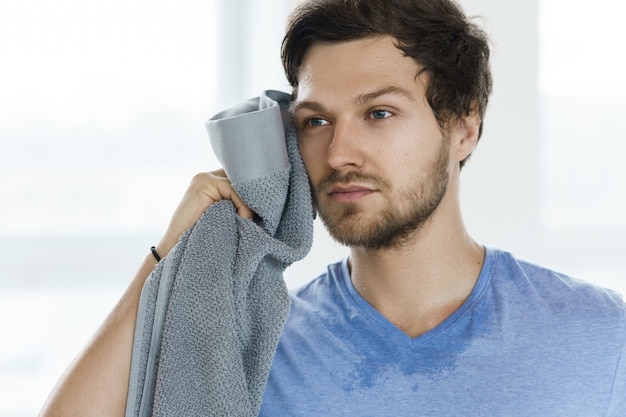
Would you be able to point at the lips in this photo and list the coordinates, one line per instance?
(349, 193)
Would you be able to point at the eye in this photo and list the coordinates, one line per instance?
(316, 121)
(380, 114)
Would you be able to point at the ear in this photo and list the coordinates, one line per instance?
(465, 135)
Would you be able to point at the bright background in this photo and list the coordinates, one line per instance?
(102, 110)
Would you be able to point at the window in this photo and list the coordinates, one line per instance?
(582, 100)
(103, 106)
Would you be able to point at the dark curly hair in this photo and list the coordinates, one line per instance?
(437, 34)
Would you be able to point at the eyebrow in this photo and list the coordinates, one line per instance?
(311, 105)
(359, 100)
(391, 90)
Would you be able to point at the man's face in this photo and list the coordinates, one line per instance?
(377, 160)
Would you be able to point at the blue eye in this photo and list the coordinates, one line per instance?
(380, 114)
(316, 121)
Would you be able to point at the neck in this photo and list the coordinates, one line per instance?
(418, 285)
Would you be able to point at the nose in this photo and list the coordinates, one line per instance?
(345, 149)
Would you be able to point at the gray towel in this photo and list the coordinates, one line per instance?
(212, 311)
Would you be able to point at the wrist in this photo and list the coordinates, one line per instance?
(163, 247)
(155, 254)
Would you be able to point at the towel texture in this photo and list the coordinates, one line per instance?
(212, 311)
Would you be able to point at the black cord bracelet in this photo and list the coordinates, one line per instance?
(154, 252)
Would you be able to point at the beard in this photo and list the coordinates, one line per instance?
(396, 224)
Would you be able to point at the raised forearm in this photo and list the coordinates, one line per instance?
(96, 383)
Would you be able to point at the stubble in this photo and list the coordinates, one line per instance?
(406, 212)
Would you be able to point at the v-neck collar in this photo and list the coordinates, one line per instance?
(392, 330)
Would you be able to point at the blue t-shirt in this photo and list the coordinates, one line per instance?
(527, 342)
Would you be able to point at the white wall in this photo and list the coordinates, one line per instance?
(508, 189)
(501, 188)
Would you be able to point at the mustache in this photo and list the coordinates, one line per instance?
(336, 178)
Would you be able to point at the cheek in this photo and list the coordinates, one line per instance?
(404, 142)
(407, 150)
(399, 155)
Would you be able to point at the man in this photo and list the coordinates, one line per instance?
(420, 320)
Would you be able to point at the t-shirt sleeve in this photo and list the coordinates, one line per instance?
(617, 405)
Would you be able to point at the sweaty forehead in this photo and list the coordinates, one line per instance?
(356, 67)
(370, 50)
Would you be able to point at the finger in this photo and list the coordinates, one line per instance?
(219, 173)
(226, 191)
(242, 209)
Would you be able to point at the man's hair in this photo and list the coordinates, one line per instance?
(453, 51)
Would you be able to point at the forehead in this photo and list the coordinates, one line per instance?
(355, 67)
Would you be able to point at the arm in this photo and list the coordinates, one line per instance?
(96, 383)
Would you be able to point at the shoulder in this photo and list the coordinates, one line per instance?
(546, 290)
(553, 283)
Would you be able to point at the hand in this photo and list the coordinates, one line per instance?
(205, 189)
